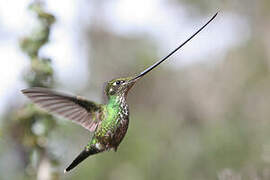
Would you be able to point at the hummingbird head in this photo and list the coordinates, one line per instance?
(119, 86)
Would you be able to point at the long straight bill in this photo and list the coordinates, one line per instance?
(171, 53)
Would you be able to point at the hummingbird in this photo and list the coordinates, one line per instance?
(107, 122)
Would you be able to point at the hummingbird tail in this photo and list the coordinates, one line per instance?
(82, 156)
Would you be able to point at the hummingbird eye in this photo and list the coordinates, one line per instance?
(118, 82)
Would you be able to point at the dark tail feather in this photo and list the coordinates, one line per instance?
(82, 156)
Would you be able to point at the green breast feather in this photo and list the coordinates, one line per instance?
(110, 121)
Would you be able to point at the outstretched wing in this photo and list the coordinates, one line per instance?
(86, 113)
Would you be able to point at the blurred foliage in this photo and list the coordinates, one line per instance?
(28, 127)
(206, 121)
(31, 44)
(41, 72)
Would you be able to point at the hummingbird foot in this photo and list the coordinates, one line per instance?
(115, 148)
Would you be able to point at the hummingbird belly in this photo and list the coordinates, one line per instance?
(113, 128)
(113, 136)
(120, 132)
(122, 124)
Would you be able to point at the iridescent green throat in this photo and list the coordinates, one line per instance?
(111, 117)
(113, 107)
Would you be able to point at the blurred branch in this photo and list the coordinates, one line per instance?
(29, 127)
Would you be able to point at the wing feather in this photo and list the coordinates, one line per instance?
(77, 109)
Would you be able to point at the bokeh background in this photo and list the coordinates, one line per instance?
(203, 114)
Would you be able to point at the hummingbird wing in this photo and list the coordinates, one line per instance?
(81, 111)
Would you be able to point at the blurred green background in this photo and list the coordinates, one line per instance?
(203, 114)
